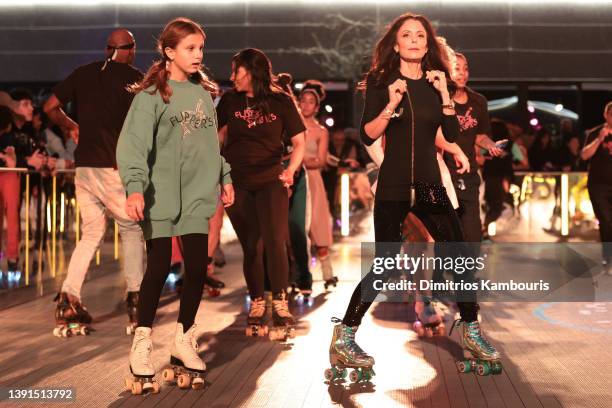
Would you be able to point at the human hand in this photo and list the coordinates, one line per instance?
(134, 206)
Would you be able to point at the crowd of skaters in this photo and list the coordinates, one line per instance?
(166, 152)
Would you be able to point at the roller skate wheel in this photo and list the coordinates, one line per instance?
(129, 331)
(197, 384)
(343, 373)
(128, 384)
(497, 368)
(183, 381)
(483, 368)
(84, 331)
(263, 331)
(136, 388)
(464, 366)
(66, 332)
(155, 388)
(57, 332)
(168, 375)
(249, 331)
(330, 374)
(355, 376)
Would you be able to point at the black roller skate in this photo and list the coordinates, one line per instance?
(213, 286)
(131, 304)
(333, 281)
(256, 321)
(283, 320)
(71, 317)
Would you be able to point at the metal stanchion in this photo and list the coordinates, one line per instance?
(54, 226)
(564, 205)
(116, 240)
(27, 229)
(344, 204)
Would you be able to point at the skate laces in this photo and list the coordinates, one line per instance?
(349, 340)
(258, 307)
(281, 306)
(189, 337)
(475, 333)
(142, 348)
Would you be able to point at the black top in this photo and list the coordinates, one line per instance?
(101, 103)
(23, 141)
(473, 119)
(254, 145)
(395, 175)
(600, 165)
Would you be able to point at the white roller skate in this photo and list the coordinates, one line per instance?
(187, 366)
(141, 366)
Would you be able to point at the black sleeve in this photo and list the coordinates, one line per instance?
(65, 91)
(450, 127)
(292, 120)
(223, 110)
(376, 99)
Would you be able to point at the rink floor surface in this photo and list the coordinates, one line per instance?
(554, 354)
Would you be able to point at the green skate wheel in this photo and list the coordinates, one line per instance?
(483, 368)
(343, 373)
(464, 366)
(497, 368)
(355, 376)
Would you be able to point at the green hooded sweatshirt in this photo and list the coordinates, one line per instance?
(170, 153)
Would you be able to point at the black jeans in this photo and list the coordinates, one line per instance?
(260, 216)
(494, 196)
(442, 224)
(469, 206)
(601, 198)
(159, 252)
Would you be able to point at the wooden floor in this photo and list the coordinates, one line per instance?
(554, 355)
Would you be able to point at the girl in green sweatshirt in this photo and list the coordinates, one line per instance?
(169, 162)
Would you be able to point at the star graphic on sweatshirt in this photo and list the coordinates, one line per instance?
(188, 125)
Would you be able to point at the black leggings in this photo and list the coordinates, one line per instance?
(159, 252)
(260, 217)
(601, 198)
(442, 224)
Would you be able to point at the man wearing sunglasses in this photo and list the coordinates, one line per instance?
(99, 101)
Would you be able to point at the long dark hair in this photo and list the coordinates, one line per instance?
(157, 75)
(385, 61)
(264, 84)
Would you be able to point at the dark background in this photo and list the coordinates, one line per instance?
(566, 46)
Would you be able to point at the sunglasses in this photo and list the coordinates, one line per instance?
(121, 47)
